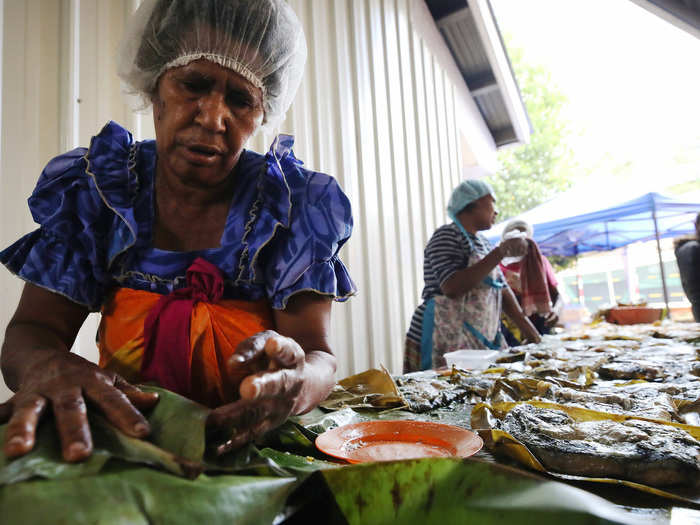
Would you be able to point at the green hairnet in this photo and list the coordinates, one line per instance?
(467, 192)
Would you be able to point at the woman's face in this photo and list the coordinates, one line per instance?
(204, 114)
(485, 212)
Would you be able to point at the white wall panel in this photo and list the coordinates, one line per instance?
(30, 122)
(405, 263)
(380, 108)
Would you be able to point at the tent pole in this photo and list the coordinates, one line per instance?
(579, 285)
(661, 262)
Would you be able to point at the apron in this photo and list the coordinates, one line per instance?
(468, 322)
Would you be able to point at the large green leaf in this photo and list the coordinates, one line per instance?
(45, 460)
(299, 465)
(178, 425)
(108, 439)
(447, 490)
(176, 444)
(136, 495)
(317, 421)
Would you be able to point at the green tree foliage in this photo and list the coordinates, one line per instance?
(533, 173)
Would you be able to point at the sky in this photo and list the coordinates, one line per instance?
(632, 81)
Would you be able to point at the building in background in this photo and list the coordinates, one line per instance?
(626, 275)
(401, 100)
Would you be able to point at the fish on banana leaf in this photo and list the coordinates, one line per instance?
(641, 451)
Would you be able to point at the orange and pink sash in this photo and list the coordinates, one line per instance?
(180, 341)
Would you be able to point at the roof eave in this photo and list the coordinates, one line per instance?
(471, 33)
(684, 15)
(502, 70)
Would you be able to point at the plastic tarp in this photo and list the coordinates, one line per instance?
(606, 228)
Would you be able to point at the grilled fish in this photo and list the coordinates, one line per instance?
(649, 453)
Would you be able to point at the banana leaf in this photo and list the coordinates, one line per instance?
(115, 485)
(177, 444)
(454, 491)
(127, 494)
(298, 465)
(372, 388)
(495, 370)
(316, 421)
(178, 425)
(46, 461)
(498, 441)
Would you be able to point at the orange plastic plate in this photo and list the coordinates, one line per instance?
(394, 440)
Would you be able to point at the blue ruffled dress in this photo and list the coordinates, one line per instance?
(95, 208)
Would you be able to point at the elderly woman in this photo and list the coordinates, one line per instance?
(533, 282)
(213, 266)
(464, 289)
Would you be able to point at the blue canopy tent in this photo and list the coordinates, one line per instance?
(651, 216)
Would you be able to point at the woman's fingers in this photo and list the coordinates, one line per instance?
(233, 423)
(249, 358)
(284, 351)
(241, 438)
(282, 375)
(63, 385)
(278, 383)
(20, 433)
(253, 347)
(140, 399)
(245, 420)
(71, 421)
(117, 408)
(535, 337)
(5, 411)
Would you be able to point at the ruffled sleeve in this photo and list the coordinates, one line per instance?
(81, 203)
(304, 218)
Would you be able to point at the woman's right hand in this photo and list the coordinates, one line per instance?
(514, 247)
(65, 381)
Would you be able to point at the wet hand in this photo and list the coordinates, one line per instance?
(269, 369)
(530, 334)
(64, 382)
(551, 319)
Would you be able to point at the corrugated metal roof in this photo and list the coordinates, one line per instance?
(684, 14)
(458, 26)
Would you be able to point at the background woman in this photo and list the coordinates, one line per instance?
(464, 289)
(537, 292)
(213, 266)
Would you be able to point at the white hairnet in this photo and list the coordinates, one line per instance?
(518, 224)
(261, 40)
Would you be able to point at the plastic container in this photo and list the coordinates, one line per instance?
(513, 234)
(471, 359)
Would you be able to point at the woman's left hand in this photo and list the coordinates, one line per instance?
(270, 371)
(551, 319)
(529, 332)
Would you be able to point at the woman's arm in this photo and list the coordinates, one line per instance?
(281, 373)
(38, 366)
(513, 310)
(467, 278)
(307, 321)
(44, 324)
